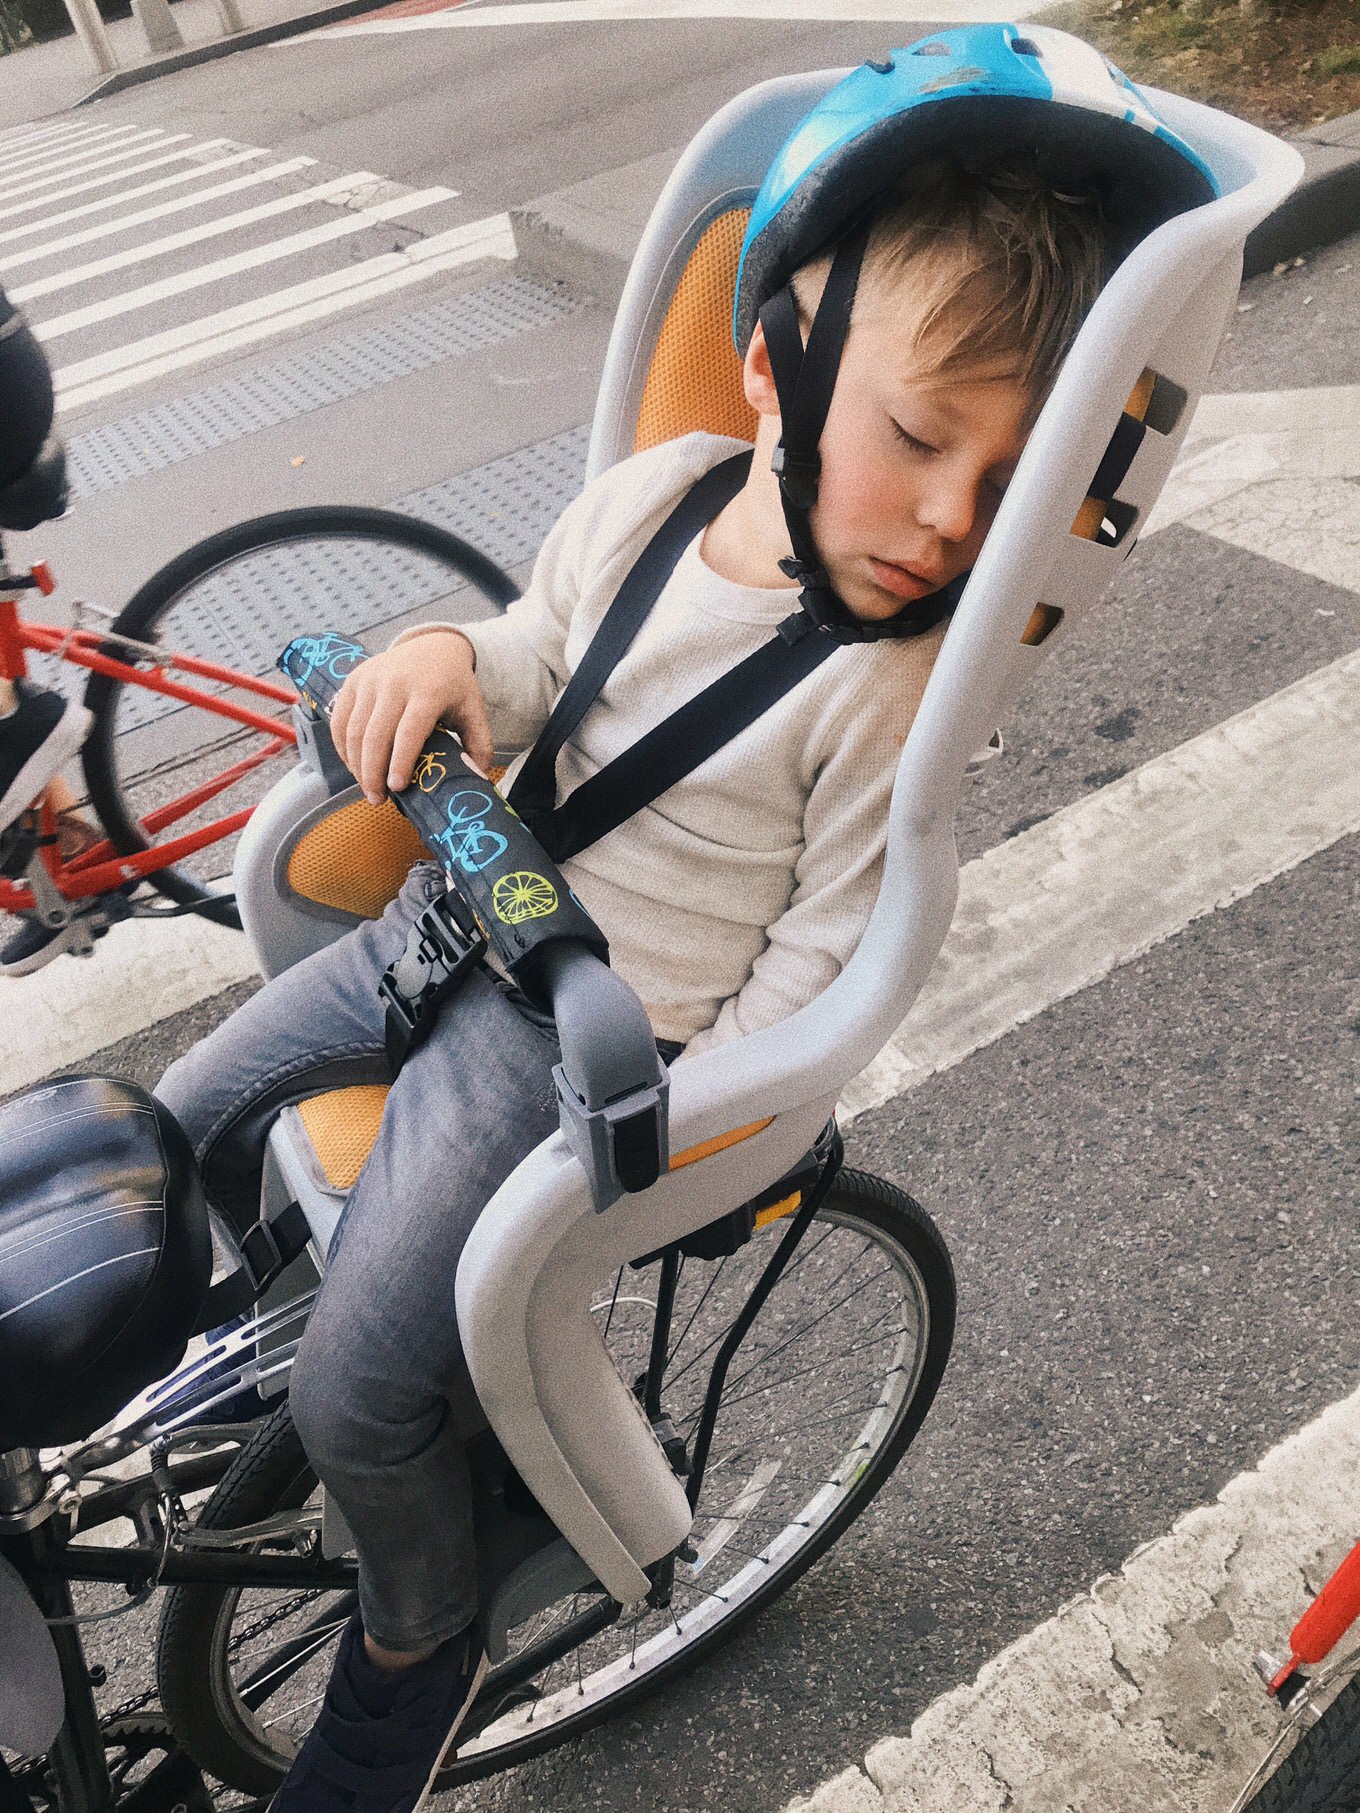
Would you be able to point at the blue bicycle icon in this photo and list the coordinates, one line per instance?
(465, 839)
(330, 654)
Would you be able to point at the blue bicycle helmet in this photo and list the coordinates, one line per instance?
(974, 93)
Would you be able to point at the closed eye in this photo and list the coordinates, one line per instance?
(910, 440)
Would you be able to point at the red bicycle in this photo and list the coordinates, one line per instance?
(1314, 1764)
(190, 716)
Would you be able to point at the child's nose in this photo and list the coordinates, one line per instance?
(950, 507)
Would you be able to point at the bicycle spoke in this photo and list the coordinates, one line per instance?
(694, 1313)
(788, 1378)
(803, 1331)
(718, 1338)
(288, 1712)
(613, 1303)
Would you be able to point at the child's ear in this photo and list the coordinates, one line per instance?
(757, 380)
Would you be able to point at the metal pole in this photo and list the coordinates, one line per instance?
(84, 15)
(230, 15)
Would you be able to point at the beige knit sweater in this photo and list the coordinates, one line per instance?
(737, 896)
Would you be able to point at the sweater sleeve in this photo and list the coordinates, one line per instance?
(837, 876)
(521, 659)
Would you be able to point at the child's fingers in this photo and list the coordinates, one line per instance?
(342, 711)
(349, 717)
(376, 750)
(475, 730)
(417, 721)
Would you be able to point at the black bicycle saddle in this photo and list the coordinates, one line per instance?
(105, 1255)
(39, 493)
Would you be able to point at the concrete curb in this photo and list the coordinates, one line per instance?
(586, 235)
(1326, 205)
(222, 47)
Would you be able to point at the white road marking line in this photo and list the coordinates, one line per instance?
(1310, 524)
(251, 259)
(1239, 439)
(1045, 914)
(107, 373)
(1274, 472)
(142, 216)
(158, 183)
(81, 166)
(580, 12)
(29, 135)
(102, 182)
(142, 972)
(1227, 414)
(1140, 1693)
(333, 190)
(78, 140)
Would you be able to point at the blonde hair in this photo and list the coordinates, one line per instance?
(1001, 267)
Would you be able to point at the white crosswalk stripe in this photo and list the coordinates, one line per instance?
(261, 281)
(120, 223)
(96, 182)
(62, 170)
(105, 229)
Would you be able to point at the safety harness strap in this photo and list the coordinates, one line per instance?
(804, 380)
(266, 1249)
(535, 787)
(678, 745)
(697, 730)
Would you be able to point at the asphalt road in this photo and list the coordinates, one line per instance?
(1148, 1190)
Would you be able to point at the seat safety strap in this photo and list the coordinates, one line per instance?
(536, 783)
(697, 730)
(266, 1248)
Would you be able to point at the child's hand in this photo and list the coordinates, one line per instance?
(390, 703)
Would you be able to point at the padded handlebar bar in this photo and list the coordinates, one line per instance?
(612, 1087)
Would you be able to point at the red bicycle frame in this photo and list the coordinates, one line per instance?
(101, 868)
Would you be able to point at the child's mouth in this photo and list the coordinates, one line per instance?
(902, 582)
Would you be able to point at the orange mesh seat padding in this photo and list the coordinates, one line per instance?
(695, 376)
(356, 859)
(342, 1126)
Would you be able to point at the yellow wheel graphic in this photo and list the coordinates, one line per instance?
(523, 896)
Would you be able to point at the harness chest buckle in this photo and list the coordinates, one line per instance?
(443, 944)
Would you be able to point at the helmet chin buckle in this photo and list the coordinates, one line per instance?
(803, 573)
(799, 475)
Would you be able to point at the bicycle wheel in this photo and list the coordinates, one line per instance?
(235, 600)
(821, 1402)
(1321, 1774)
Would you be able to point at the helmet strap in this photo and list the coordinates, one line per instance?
(804, 379)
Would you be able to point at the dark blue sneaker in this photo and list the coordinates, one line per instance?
(37, 738)
(382, 1733)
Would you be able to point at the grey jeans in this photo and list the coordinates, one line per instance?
(380, 1358)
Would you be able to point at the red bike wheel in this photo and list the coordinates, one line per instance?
(234, 600)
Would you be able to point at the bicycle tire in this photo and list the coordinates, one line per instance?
(238, 1745)
(148, 615)
(1321, 1774)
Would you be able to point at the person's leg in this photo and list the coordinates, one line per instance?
(318, 1025)
(371, 1384)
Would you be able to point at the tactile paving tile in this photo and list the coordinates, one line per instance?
(243, 614)
(169, 432)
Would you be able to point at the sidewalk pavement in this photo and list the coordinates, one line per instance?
(45, 79)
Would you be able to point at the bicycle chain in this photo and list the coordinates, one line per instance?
(126, 1710)
(262, 1624)
(270, 1619)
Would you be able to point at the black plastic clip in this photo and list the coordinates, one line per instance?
(799, 475)
(443, 944)
(267, 1248)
